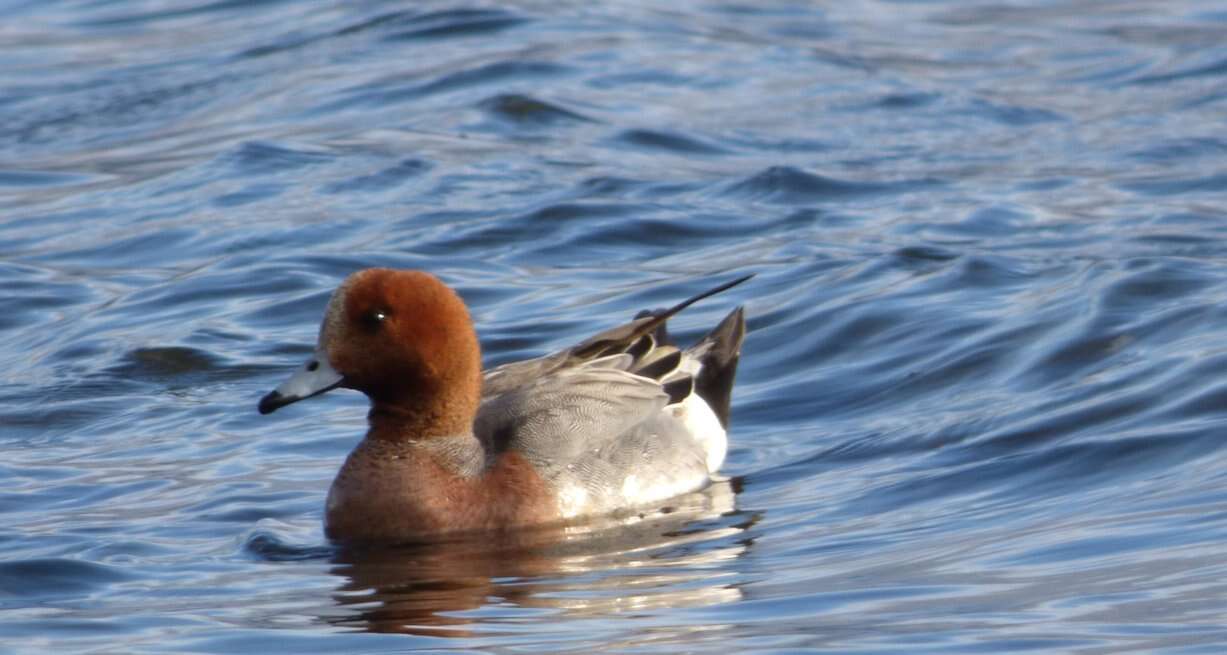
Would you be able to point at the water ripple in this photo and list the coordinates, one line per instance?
(980, 407)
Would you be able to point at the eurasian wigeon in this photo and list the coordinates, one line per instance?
(623, 420)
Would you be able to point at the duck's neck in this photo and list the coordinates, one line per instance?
(443, 437)
(420, 419)
(399, 423)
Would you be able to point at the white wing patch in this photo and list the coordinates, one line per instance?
(703, 425)
(572, 501)
(635, 493)
(631, 489)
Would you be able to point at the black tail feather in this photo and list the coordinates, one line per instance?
(623, 335)
(714, 383)
(660, 367)
(679, 389)
(661, 334)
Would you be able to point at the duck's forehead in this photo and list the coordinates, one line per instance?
(408, 292)
(334, 315)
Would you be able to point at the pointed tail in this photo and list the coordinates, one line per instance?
(714, 384)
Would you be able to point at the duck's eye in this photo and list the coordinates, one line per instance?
(373, 320)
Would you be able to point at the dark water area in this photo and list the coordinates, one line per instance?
(982, 406)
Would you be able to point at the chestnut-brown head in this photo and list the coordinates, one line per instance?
(405, 340)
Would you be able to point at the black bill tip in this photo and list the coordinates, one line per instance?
(274, 401)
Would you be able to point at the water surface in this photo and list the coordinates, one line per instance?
(981, 407)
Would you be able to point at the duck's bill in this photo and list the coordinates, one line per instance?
(314, 378)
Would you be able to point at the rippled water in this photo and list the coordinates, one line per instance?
(982, 406)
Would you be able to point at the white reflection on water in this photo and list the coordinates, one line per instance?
(644, 562)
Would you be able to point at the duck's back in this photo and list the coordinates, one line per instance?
(623, 420)
(603, 438)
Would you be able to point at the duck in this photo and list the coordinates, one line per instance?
(621, 421)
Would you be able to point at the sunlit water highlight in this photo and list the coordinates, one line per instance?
(981, 407)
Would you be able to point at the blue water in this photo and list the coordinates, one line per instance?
(982, 406)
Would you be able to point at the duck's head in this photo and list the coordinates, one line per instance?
(401, 337)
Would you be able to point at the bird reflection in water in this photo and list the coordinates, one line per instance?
(633, 563)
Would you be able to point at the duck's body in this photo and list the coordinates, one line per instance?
(621, 421)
